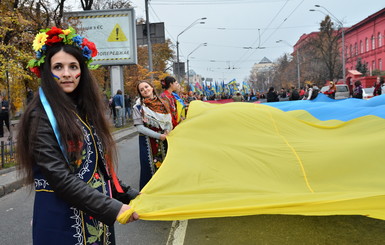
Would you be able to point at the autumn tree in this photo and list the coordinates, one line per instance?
(16, 36)
(22, 19)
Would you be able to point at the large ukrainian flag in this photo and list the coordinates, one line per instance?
(321, 157)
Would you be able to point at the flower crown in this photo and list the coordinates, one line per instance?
(48, 37)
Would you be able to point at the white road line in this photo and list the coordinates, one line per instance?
(177, 232)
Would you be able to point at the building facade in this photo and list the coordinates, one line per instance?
(365, 40)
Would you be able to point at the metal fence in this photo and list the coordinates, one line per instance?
(7, 151)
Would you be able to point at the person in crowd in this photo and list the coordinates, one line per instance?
(127, 106)
(331, 92)
(153, 120)
(4, 115)
(294, 94)
(111, 105)
(65, 148)
(378, 86)
(170, 84)
(357, 92)
(309, 92)
(118, 102)
(282, 93)
(272, 95)
(191, 97)
(238, 97)
(302, 93)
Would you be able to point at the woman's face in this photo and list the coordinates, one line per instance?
(145, 90)
(66, 70)
(174, 86)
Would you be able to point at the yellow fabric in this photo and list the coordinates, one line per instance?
(245, 159)
(123, 218)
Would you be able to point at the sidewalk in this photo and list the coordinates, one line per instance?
(10, 181)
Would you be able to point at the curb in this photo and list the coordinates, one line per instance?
(11, 187)
(19, 183)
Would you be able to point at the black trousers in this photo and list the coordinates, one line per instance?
(4, 117)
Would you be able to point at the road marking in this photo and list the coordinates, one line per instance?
(177, 232)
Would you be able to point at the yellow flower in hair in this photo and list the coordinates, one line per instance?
(66, 31)
(39, 41)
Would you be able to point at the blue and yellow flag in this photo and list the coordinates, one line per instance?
(180, 107)
(322, 157)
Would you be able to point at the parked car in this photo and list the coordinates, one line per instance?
(367, 93)
(342, 91)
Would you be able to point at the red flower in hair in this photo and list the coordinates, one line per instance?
(54, 39)
(53, 35)
(35, 70)
(91, 46)
(54, 32)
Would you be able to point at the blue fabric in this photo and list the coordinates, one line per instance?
(324, 108)
(179, 99)
(52, 120)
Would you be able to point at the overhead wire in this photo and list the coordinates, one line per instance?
(259, 36)
(278, 27)
(153, 11)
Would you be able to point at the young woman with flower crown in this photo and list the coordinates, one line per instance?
(152, 118)
(65, 148)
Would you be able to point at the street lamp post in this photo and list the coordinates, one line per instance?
(198, 21)
(188, 71)
(342, 36)
(297, 54)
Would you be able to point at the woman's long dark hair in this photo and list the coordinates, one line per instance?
(85, 100)
(167, 81)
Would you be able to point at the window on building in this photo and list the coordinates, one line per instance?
(366, 45)
(373, 43)
(379, 39)
(355, 49)
(361, 47)
(373, 65)
(380, 64)
(351, 51)
(346, 51)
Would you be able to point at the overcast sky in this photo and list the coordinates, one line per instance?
(232, 25)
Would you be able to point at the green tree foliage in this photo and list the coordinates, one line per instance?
(361, 67)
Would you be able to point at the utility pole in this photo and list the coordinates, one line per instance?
(149, 47)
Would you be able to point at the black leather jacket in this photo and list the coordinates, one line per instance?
(49, 158)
